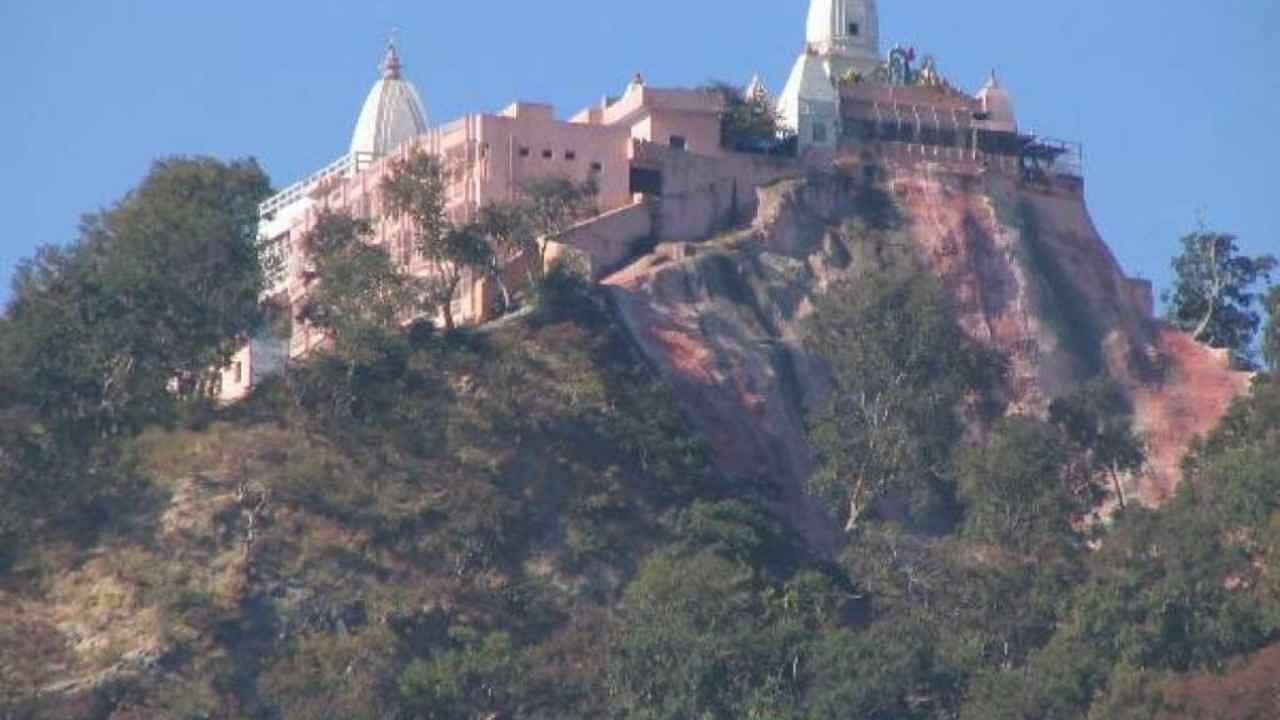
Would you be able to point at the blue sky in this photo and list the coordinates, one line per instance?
(1177, 102)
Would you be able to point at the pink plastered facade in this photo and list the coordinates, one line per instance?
(489, 157)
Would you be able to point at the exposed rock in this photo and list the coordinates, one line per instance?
(1022, 262)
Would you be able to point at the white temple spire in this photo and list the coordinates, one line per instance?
(845, 31)
(391, 66)
(392, 114)
(841, 37)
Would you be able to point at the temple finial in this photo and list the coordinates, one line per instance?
(391, 63)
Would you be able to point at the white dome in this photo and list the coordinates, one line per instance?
(392, 114)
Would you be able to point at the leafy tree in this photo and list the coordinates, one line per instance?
(986, 607)
(881, 674)
(1271, 337)
(902, 370)
(505, 229)
(1097, 420)
(1132, 694)
(552, 205)
(747, 124)
(698, 637)
(163, 287)
(673, 658)
(1014, 488)
(480, 677)
(1162, 592)
(416, 189)
(359, 298)
(1212, 296)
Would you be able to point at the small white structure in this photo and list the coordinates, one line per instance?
(997, 105)
(841, 37)
(756, 91)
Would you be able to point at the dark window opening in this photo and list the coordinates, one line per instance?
(524, 152)
(596, 167)
(679, 142)
(855, 29)
(820, 132)
(547, 154)
(570, 155)
(646, 181)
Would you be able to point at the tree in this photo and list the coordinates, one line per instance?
(416, 189)
(878, 674)
(155, 295)
(902, 369)
(1271, 338)
(1014, 488)
(1097, 419)
(747, 124)
(552, 205)
(357, 292)
(1212, 297)
(481, 676)
(505, 228)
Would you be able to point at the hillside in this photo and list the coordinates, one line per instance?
(1022, 263)
(507, 480)
(601, 507)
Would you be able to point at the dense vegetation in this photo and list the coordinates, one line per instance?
(1213, 296)
(516, 522)
(751, 123)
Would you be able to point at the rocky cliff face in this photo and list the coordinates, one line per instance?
(1023, 263)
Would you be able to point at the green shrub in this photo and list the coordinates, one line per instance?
(481, 674)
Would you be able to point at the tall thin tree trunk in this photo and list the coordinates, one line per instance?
(506, 294)
(855, 515)
(1115, 480)
(1215, 291)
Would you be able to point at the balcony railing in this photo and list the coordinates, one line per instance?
(345, 166)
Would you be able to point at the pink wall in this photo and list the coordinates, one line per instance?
(605, 242)
(701, 196)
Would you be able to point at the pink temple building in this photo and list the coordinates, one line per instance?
(489, 156)
(656, 155)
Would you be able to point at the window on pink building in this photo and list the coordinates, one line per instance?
(679, 142)
(547, 154)
(570, 155)
(596, 167)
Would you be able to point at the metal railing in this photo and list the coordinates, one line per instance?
(349, 164)
(1069, 158)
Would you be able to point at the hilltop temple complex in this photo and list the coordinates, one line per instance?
(656, 154)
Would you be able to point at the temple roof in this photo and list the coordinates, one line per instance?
(392, 113)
